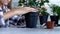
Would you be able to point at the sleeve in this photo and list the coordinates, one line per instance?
(2, 22)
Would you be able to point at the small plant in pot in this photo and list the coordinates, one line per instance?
(55, 16)
(32, 17)
(43, 15)
(42, 12)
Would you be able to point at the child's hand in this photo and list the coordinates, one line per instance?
(24, 10)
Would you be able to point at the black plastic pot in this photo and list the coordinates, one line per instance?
(55, 18)
(31, 19)
(43, 19)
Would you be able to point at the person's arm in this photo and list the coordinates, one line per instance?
(9, 14)
(19, 11)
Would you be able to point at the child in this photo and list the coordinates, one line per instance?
(4, 15)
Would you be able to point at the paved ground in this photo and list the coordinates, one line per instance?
(10, 30)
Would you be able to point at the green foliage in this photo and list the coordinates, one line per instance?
(36, 3)
(43, 12)
(55, 8)
(43, 1)
(33, 3)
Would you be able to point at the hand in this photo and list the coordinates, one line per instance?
(24, 10)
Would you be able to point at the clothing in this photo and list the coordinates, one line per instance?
(2, 22)
(10, 20)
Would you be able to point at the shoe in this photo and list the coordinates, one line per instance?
(43, 26)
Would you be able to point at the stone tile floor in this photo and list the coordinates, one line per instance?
(10, 30)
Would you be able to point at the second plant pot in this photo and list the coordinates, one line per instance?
(31, 19)
(43, 19)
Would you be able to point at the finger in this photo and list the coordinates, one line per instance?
(34, 10)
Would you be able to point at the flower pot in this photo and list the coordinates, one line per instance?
(43, 19)
(50, 24)
(31, 19)
(55, 18)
